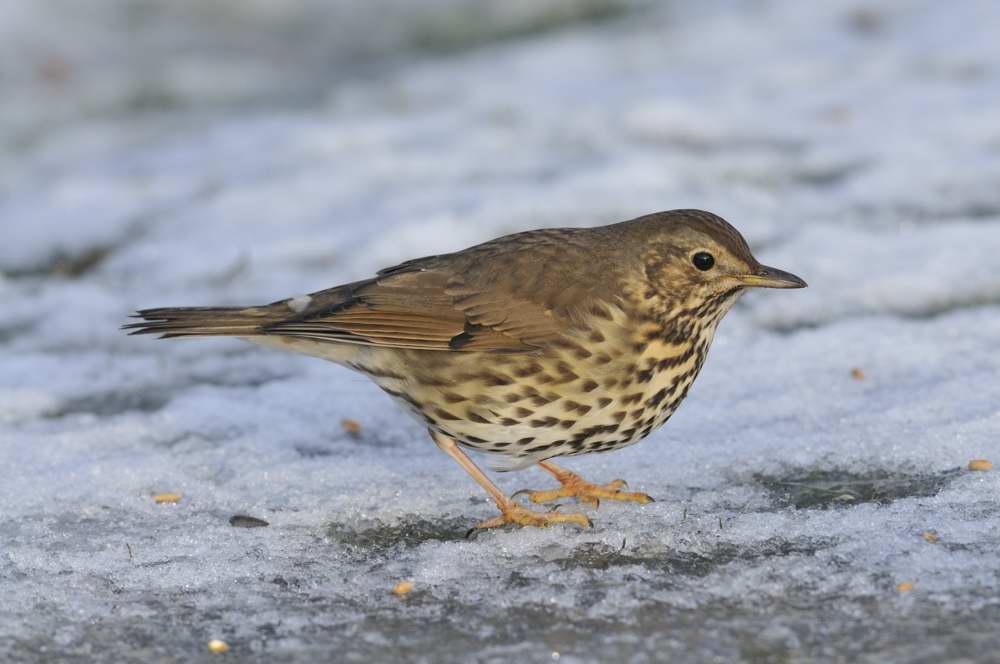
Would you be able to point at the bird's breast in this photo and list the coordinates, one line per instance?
(584, 394)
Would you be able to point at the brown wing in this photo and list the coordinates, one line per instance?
(515, 294)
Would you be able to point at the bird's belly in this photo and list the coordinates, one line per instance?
(531, 408)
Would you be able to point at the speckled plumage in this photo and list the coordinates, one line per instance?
(605, 384)
(547, 343)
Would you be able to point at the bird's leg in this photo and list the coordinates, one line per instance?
(574, 486)
(510, 511)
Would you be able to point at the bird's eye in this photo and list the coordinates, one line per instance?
(703, 260)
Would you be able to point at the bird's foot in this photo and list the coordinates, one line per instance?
(514, 514)
(574, 486)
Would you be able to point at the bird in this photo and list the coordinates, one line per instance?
(542, 344)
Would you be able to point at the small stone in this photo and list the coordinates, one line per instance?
(217, 646)
(930, 536)
(352, 427)
(403, 588)
(244, 521)
(905, 586)
(980, 464)
(166, 498)
(857, 374)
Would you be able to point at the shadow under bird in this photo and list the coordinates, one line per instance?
(533, 346)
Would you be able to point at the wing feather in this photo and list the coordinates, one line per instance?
(516, 294)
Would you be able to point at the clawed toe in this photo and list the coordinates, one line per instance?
(574, 486)
(515, 515)
(539, 497)
(591, 494)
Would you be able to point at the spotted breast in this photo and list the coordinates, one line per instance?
(617, 376)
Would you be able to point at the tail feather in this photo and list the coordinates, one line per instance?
(202, 321)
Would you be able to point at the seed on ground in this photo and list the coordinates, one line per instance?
(402, 588)
(980, 464)
(905, 586)
(352, 427)
(857, 374)
(217, 646)
(162, 498)
(930, 536)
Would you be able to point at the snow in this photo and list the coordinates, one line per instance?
(855, 146)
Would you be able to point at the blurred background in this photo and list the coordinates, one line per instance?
(310, 136)
(208, 152)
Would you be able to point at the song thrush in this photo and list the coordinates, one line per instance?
(542, 344)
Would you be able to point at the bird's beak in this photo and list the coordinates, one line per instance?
(770, 277)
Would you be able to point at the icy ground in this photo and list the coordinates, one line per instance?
(857, 147)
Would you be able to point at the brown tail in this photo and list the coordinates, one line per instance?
(202, 321)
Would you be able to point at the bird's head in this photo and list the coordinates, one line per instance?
(693, 257)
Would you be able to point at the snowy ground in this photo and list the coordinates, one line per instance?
(857, 147)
